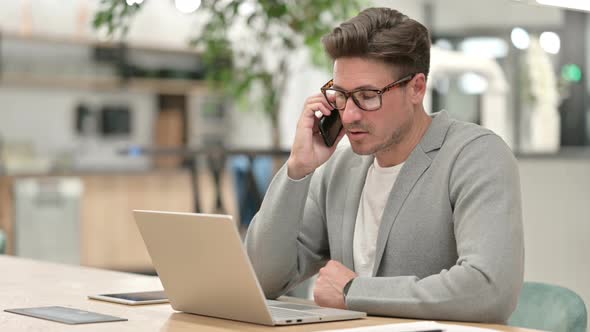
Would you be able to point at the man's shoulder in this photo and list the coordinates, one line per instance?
(469, 141)
(466, 131)
(462, 134)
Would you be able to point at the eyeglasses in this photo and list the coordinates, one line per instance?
(365, 99)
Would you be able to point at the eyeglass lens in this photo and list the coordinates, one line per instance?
(365, 99)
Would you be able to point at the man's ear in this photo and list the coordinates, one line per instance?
(418, 88)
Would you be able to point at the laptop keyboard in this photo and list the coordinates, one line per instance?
(294, 306)
(281, 314)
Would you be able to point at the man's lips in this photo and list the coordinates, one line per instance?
(356, 130)
(356, 134)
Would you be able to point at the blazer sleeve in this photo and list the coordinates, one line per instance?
(485, 282)
(287, 239)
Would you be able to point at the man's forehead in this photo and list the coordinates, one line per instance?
(354, 73)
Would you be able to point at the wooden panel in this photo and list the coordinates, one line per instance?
(6, 212)
(207, 194)
(169, 134)
(110, 238)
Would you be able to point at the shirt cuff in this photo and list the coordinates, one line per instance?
(346, 287)
(300, 180)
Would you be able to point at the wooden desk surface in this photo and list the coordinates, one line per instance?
(28, 283)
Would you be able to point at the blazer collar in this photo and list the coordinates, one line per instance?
(356, 183)
(435, 135)
(414, 167)
(416, 164)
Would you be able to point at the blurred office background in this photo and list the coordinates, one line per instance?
(92, 128)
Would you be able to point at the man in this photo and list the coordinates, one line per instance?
(420, 217)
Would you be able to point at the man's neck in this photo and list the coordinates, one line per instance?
(398, 153)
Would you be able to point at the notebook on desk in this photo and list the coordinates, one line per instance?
(205, 270)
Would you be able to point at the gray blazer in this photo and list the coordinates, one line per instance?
(450, 244)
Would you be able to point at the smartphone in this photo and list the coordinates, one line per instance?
(330, 127)
(133, 298)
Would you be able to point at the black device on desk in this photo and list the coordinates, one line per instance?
(133, 298)
(66, 315)
(330, 126)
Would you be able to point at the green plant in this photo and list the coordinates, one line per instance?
(256, 67)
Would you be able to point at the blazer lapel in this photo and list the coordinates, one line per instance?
(356, 182)
(414, 167)
(416, 164)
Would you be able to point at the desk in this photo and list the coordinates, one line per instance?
(28, 283)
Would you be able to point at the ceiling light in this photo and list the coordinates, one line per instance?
(550, 42)
(187, 6)
(484, 47)
(472, 83)
(520, 38)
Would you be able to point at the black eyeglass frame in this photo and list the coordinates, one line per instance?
(348, 94)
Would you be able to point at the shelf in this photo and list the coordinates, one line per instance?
(161, 86)
(106, 81)
(167, 86)
(95, 43)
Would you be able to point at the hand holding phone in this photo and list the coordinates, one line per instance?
(310, 151)
(330, 127)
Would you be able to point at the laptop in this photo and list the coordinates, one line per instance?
(205, 270)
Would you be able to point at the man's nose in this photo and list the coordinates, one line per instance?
(352, 113)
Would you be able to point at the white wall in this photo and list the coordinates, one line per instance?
(411, 8)
(158, 23)
(45, 118)
(304, 81)
(463, 15)
(459, 16)
(587, 71)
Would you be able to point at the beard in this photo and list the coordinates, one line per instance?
(392, 140)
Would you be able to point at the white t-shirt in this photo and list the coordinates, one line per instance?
(378, 185)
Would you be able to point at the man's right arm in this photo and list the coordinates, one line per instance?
(287, 240)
